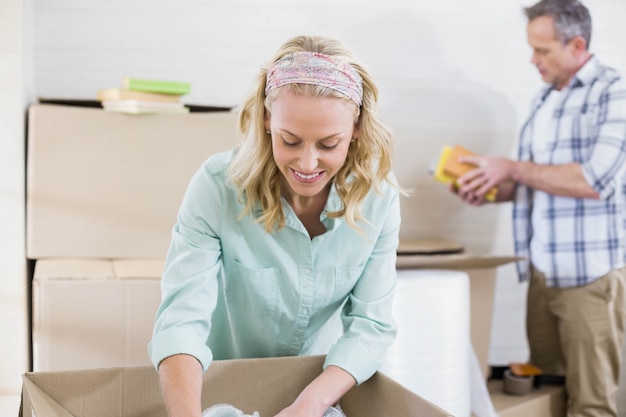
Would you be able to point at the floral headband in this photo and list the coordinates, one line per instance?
(317, 69)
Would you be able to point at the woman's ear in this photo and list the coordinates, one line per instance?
(355, 132)
(266, 121)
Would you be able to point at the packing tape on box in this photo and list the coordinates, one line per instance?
(430, 355)
(517, 385)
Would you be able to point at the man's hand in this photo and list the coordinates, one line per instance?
(490, 172)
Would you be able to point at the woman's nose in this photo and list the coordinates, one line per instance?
(308, 159)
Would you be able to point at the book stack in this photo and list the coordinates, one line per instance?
(141, 96)
(448, 169)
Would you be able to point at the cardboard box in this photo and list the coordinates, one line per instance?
(547, 401)
(108, 185)
(263, 385)
(430, 254)
(90, 313)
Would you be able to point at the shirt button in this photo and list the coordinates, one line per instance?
(307, 271)
(305, 311)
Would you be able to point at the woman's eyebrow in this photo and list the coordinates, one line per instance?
(317, 140)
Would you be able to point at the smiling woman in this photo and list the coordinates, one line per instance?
(298, 222)
(310, 142)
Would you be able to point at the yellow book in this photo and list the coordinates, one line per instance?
(448, 168)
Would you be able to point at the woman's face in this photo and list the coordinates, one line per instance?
(310, 139)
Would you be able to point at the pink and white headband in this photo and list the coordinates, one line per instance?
(317, 69)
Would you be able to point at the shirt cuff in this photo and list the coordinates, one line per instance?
(604, 190)
(179, 340)
(354, 359)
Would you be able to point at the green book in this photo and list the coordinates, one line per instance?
(156, 86)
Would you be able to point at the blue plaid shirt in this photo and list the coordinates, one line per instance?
(583, 239)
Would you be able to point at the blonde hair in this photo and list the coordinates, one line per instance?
(368, 163)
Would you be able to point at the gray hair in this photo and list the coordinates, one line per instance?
(571, 18)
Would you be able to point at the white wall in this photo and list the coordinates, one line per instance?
(13, 298)
(450, 71)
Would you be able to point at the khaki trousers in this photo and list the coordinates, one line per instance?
(578, 332)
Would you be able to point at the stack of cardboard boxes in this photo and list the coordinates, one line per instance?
(103, 190)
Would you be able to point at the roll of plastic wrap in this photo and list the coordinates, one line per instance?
(431, 354)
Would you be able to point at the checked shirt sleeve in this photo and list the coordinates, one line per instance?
(607, 161)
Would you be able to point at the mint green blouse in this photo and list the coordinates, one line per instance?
(230, 290)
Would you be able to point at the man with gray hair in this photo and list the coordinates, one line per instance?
(569, 208)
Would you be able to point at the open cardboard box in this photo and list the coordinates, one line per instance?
(263, 385)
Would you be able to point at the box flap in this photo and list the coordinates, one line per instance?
(453, 261)
(73, 269)
(138, 268)
(381, 397)
(41, 403)
(264, 385)
(110, 392)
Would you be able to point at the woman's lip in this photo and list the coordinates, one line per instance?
(307, 177)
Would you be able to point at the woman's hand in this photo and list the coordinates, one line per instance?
(300, 410)
(321, 394)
